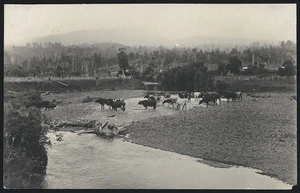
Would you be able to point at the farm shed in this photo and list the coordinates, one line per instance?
(151, 85)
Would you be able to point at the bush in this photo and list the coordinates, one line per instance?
(16, 71)
(24, 154)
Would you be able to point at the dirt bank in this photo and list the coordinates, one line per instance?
(260, 134)
(73, 85)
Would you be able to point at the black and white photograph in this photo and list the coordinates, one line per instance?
(150, 96)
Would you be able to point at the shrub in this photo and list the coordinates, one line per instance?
(24, 154)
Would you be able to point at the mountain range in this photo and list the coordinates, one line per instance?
(142, 36)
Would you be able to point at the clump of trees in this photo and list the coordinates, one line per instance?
(125, 68)
(191, 77)
(288, 69)
(24, 154)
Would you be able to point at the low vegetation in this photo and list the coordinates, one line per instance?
(24, 154)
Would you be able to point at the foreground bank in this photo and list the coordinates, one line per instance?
(258, 133)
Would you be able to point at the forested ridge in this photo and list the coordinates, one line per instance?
(55, 59)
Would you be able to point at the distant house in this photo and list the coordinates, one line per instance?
(151, 85)
(245, 68)
(113, 73)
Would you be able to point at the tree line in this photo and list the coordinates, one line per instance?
(55, 59)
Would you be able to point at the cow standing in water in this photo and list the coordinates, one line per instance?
(118, 104)
(101, 101)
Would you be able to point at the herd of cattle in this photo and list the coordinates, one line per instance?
(180, 99)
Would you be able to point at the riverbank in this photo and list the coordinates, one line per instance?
(73, 85)
(259, 133)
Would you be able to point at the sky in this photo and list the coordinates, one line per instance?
(254, 21)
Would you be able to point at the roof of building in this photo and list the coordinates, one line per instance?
(150, 83)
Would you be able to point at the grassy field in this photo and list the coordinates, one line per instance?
(259, 133)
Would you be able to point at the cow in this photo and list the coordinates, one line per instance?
(152, 97)
(109, 102)
(148, 103)
(207, 99)
(181, 102)
(240, 95)
(171, 101)
(196, 95)
(118, 104)
(147, 96)
(230, 95)
(214, 94)
(101, 101)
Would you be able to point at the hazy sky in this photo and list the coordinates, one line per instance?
(255, 21)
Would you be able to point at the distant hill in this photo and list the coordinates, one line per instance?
(128, 35)
(136, 36)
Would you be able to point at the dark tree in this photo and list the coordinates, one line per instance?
(123, 60)
(234, 65)
(288, 69)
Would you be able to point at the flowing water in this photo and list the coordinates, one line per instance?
(90, 162)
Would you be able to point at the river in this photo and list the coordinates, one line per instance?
(90, 162)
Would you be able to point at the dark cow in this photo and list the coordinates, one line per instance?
(151, 97)
(185, 95)
(109, 102)
(214, 94)
(230, 95)
(148, 103)
(118, 104)
(207, 99)
(171, 101)
(101, 101)
(167, 96)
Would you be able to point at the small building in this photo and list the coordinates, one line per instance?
(245, 68)
(151, 85)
